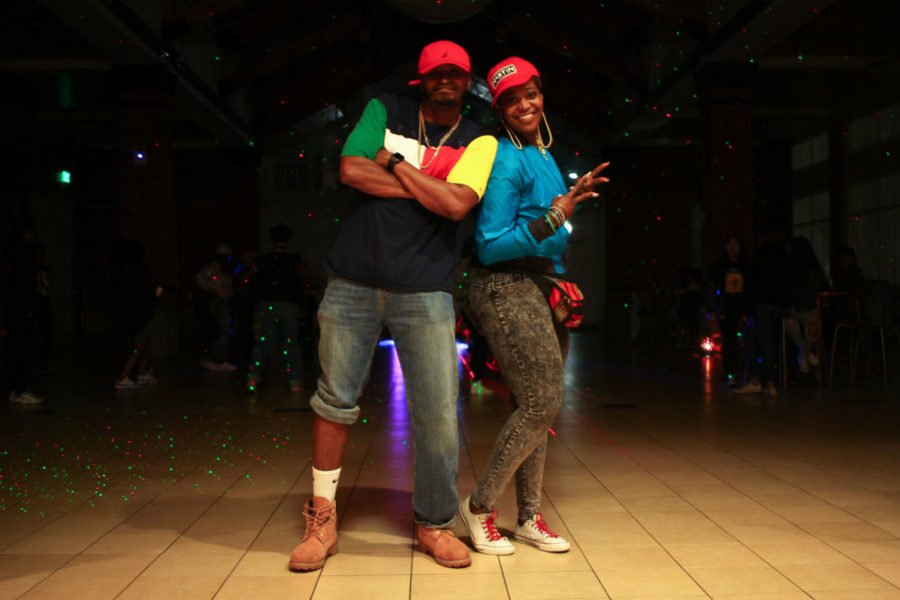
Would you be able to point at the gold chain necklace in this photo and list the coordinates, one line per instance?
(539, 141)
(422, 133)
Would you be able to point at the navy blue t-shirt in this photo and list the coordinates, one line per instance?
(396, 243)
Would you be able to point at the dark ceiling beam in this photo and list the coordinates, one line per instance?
(751, 10)
(109, 22)
(594, 22)
(769, 113)
(182, 23)
(54, 64)
(87, 114)
(820, 62)
(303, 95)
(692, 21)
(569, 49)
(255, 24)
(293, 53)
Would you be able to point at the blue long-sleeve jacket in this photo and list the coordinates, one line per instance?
(522, 186)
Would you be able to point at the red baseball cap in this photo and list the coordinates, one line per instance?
(508, 73)
(440, 53)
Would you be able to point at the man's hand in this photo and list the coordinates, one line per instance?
(370, 177)
(383, 157)
(449, 200)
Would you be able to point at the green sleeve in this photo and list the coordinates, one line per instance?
(368, 135)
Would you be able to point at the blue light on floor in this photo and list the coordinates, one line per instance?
(460, 346)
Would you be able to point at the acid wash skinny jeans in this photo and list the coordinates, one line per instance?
(513, 314)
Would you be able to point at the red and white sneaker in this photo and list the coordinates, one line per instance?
(26, 398)
(147, 379)
(126, 383)
(483, 531)
(535, 532)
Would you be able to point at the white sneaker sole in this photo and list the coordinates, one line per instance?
(483, 548)
(546, 547)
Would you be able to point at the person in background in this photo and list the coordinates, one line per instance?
(848, 277)
(21, 304)
(478, 351)
(688, 310)
(216, 280)
(242, 307)
(43, 312)
(278, 287)
(771, 301)
(520, 239)
(728, 278)
(136, 302)
(804, 326)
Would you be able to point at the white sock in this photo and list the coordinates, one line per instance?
(325, 483)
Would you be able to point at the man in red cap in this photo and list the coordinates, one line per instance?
(419, 167)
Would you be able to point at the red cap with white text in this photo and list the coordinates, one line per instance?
(509, 73)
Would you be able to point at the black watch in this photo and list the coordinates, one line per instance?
(395, 158)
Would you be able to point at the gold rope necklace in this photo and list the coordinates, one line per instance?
(423, 134)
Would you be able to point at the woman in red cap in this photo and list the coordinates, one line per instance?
(519, 239)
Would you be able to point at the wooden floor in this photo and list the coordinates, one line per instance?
(668, 487)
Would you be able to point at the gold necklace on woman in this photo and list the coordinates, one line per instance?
(423, 134)
(539, 141)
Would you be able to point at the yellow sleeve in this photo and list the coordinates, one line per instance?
(474, 167)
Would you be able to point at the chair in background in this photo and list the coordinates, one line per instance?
(862, 326)
(840, 313)
(894, 311)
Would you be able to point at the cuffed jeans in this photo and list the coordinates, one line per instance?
(220, 309)
(763, 353)
(728, 326)
(351, 316)
(530, 348)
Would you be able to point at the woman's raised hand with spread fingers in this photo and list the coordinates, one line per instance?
(582, 190)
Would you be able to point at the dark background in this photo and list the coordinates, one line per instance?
(719, 117)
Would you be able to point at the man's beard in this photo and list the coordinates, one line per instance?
(444, 97)
(443, 101)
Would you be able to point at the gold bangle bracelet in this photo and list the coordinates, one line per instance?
(561, 215)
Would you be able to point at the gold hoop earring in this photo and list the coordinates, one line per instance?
(550, 133)
(512, 136)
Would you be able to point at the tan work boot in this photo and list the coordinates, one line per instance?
(443, 545)
(320, 540)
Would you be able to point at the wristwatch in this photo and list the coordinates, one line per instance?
(395, 158)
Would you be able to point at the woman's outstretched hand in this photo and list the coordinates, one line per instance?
(582, 190)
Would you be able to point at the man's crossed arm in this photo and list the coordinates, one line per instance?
(450, 200)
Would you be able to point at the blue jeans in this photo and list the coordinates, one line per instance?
(763, 353)
(351, 316)
(221, 316)
(276, 326)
